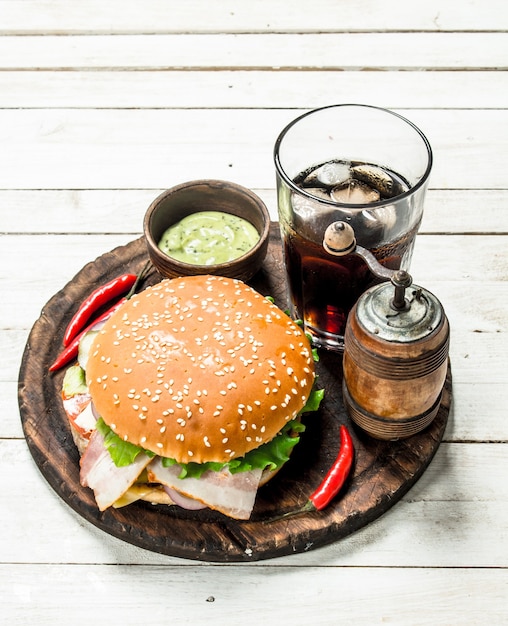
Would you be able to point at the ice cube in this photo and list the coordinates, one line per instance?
(355, 192)
(318, 192)
(377, 178)
(328, 175)
(385, 216)
(306, 207)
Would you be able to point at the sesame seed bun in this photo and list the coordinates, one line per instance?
(199, 368)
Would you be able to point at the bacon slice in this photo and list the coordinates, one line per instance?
(108, 481)
(79, 411)
(231, 494)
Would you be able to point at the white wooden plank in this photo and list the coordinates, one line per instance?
(136, 149)
(10, 424)
(97, 211)
(352, 51)
(206, 595)
(157, 16)
(468, 259)
(440, 522)
(252, 89)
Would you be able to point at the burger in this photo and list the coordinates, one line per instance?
(190, 394)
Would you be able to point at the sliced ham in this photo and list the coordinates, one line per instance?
(99, 472)
(231, 494)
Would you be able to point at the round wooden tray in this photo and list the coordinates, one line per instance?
(383, 471)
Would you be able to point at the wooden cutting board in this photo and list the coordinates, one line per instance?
(383, 471)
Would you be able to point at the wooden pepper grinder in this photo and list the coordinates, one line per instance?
(395, 349)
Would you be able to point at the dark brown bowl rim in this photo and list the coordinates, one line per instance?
(216, 184)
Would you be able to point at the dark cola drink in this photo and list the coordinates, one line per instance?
(323, 287)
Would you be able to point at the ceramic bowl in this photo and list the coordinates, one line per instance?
(173, 205)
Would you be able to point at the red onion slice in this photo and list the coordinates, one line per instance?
(95, 413)
(183, 501)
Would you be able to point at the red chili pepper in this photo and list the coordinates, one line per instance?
(98, 298)
(337, 474)
(332, 482)
(71, 351)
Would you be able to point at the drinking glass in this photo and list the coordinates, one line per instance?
(355, 163)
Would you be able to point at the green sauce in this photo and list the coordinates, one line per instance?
(209, 238)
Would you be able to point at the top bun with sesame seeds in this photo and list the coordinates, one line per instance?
(199, 369)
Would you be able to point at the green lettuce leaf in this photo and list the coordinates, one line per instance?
(272, 455)
(192, 470)
(122, 452)
(313, 401)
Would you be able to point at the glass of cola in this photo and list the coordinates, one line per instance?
(355, 163)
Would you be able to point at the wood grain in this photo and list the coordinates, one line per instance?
(106, 147)
(154, 16)
(334, 51)
(383, 472)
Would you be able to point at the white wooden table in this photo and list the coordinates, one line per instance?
(105, 104)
